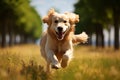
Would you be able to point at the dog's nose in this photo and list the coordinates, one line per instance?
(60, 29)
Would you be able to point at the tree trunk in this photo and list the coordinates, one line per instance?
(99, 35)
(116, 25)
(21, 39)
(4, 28)
(90, 40)
(25, 39)
(102, 36)
(15, 41)
(109, 30)
(11, 35)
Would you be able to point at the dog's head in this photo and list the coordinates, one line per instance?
(60, 24)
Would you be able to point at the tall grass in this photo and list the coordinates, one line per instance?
(25, 63)
(92, 64)
(22, 63)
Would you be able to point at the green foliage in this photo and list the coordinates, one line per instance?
(30, 21)
(98, 14)
(25, 20)
(90, 12)
(95, 11)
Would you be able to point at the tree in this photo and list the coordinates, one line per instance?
(91, 18)
(114, 7)
(98, 13)
(17, 17)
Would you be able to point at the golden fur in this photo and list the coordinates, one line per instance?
(57, 44)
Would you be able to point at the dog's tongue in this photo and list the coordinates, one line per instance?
(60, 35)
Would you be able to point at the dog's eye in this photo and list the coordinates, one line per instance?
(56, 21)
(64, 21)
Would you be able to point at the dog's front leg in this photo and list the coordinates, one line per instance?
(66, 58)
(51, 58)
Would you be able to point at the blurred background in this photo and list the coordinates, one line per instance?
(21, 27)
(20, 20)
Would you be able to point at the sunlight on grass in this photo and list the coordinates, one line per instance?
(92, 64)
(24, 62)
(21, 63)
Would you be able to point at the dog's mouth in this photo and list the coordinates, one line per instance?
(60, 35)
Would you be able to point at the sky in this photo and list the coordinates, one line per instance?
(42, 6)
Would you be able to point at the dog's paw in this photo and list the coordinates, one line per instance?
(84, 37)
(65, 61)
(56, 66)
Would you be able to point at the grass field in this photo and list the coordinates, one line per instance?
(24, 62)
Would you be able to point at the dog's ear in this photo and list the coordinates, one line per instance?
(74, 18)
(48, 18)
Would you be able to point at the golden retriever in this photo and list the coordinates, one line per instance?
(57, 42)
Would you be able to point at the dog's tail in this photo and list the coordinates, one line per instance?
(80, 38)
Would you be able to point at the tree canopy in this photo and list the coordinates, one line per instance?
(17, 17)
(98, 14)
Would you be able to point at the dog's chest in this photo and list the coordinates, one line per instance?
(61, 48)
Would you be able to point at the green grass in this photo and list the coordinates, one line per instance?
(25, 63)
